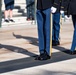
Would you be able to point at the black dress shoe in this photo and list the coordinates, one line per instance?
(39, 57)
(55, 43)
(0, 46)
(72, 52)
(42, 57)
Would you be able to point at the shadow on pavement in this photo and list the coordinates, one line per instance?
(31, 40)
(28, 62)
(16, 49)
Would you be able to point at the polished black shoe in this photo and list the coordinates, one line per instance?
(55, 43)
(11, 20)
(72, 52)
(42, 57)
(0, 46)
(6, 20)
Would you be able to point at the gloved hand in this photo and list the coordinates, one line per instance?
(53, 9)
(67, 17)
(61, 12)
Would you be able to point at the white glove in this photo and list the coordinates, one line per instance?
(61, 12)
(53, 9)
(67, 17)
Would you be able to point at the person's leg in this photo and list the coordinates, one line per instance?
(11, 10)
(28, 9)
(40, 31)
(53, 30)
(73, 46)
(0, 12)
(33, 9)
(6, 12)
(10, 13)
(47, 30)
(40, 21)
(43, 34)
(56, 28)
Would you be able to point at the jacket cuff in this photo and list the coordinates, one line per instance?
(62, 8)
(55, 5)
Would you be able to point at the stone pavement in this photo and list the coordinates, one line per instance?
(19, 45)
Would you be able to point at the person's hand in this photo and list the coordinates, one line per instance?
(61, 12)
(67, 17)
(53, 9)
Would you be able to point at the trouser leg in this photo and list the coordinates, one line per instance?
(56, 26)
(74, 34)
(43, 20)
(40, 31)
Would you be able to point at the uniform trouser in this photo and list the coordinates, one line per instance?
(74, 34)
(43, 20)
(56, 26)
(30, 8)
(0, 12)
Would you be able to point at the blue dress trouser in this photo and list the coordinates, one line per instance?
(56, 26)
(74, 35)
(43, 20)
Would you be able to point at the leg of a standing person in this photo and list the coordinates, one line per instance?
(11, 11)
(33, 10)
(56, 28)
(43, 20)
(47, 30)
(40, 23)
(28, 9)
(6, 12)
(73, 46)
